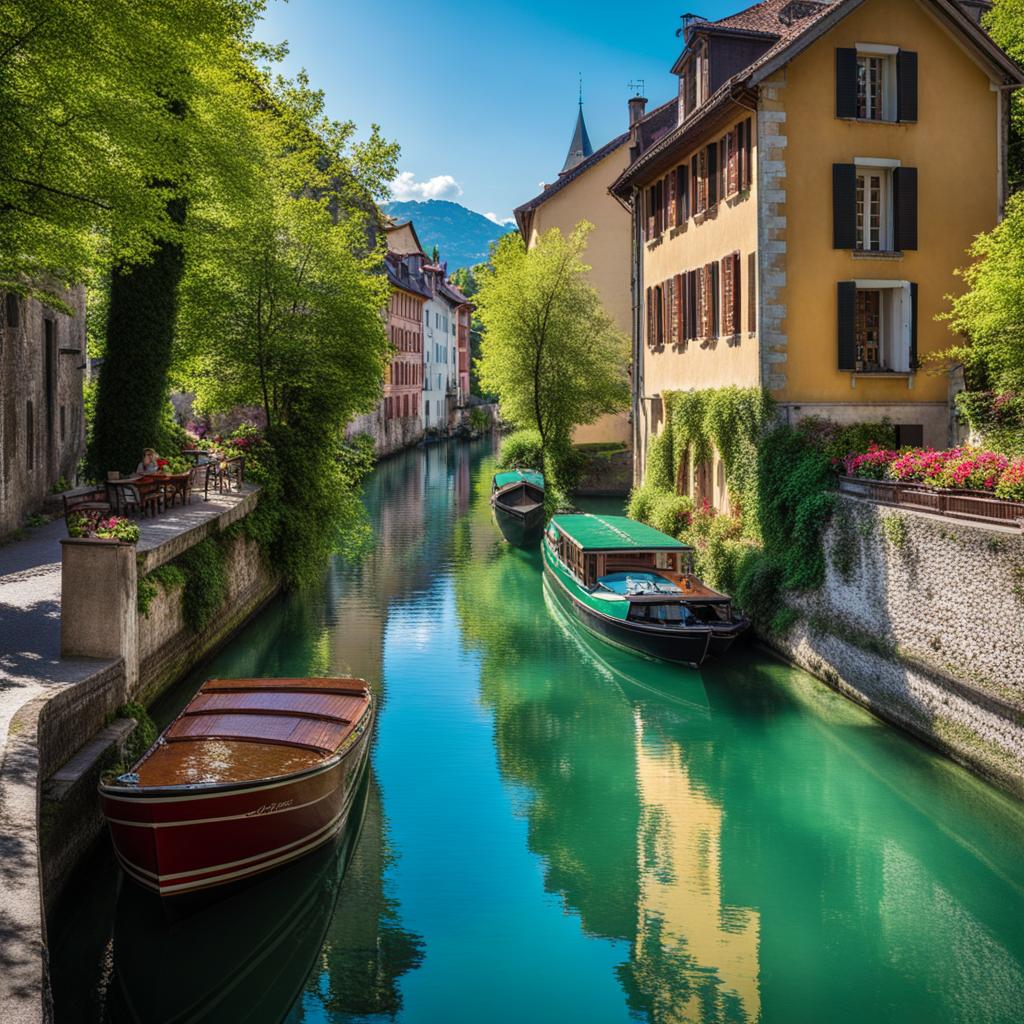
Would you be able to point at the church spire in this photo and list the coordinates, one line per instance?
(580, 147)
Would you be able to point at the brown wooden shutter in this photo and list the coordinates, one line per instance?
(748, 165)
(650, 318)
(752, 292)
(672, 201)
(741, 161)
(663, 313)
(700, 194)
(904, 205)
(906, 85)
(695, 303)
(846, 82)
(677, 312)
(734, 159)
(913, 326)
(650, 213)
(844, 206)
(726, 275)
(846, 325)
(712, 174)
(716, 299)
(682, 203)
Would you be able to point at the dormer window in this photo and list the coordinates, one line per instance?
(695, 79)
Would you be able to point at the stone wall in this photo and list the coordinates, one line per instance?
(42, 423)
(607, 474)
(921, 619)
(389, 435)
(168, 648)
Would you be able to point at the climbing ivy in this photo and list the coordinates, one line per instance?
(781, 486)
(206, 582)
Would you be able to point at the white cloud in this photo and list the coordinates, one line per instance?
(501, 221)
(406, 187)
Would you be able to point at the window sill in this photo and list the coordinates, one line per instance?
(874, 120)
(901, 375)
(891, 255)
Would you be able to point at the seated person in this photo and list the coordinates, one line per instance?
(148, 464)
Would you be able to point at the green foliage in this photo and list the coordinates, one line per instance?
(87, 130)
(169, 576)
(665, 511)
(730, 420)
(894, 529)
(134, 377)
(781, 483)
(1005, 23)
(479, 420)
(206, 583)
(521, 448)
(550, 351)
(837, 440)
(142, 737)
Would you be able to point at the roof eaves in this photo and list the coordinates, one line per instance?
(692, 123)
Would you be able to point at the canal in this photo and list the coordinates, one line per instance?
(557, 831)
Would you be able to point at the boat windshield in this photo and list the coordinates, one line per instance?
(628, 584)
(662, 614)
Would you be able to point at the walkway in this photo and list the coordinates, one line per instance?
(31, 667)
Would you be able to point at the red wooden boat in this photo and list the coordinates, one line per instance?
(252, 774)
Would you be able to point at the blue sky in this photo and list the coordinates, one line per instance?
(482, 96)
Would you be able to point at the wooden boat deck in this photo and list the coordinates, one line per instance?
(239, 730)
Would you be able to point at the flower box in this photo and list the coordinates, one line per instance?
(978, 506)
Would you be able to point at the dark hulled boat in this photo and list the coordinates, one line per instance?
(252, 774)
(634, 587)
(517, 497)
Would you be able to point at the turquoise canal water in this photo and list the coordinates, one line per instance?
(557, 831)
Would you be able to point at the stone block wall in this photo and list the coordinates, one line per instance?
(921, 619)
(389, 435)
(42, 420)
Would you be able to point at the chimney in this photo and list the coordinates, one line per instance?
(637, 106)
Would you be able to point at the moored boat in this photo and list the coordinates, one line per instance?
(252, 774)
(634, 587)
(517, 497)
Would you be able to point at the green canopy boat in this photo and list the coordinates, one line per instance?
(517, 497)
(634, 586)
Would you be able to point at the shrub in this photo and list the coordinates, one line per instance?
(919, 465)
(1011, 482)
(836, 441)
(117, 528)
(973, 470)
(521, 448)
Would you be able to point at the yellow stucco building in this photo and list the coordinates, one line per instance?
(799, 227)
(581, 193)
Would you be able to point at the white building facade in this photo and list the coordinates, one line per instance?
(440, 353)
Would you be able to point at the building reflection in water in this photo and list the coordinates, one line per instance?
(694, 958)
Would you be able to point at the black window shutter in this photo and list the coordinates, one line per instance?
(748, 175)
(913, 325)
(847, 324)
(682, 196)
(844, 206)
(906, 85)
(846, 82)
(712, 175)
(904, 205)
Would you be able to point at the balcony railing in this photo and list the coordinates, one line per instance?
(972, 505)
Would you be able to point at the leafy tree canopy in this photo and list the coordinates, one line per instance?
(550, 352)
(91, 97)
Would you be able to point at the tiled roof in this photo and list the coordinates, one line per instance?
(777, 17)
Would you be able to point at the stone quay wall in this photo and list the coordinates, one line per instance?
(921, 620)
(149, 652)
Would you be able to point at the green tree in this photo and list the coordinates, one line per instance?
(281, 305)
(1005, 23)
(87, 131)
(550, 352)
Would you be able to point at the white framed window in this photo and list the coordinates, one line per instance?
(882, 327)
(876, 82)
(874, 193)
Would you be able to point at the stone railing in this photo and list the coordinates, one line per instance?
(971, 505)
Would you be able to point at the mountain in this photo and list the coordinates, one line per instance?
(462, 236)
